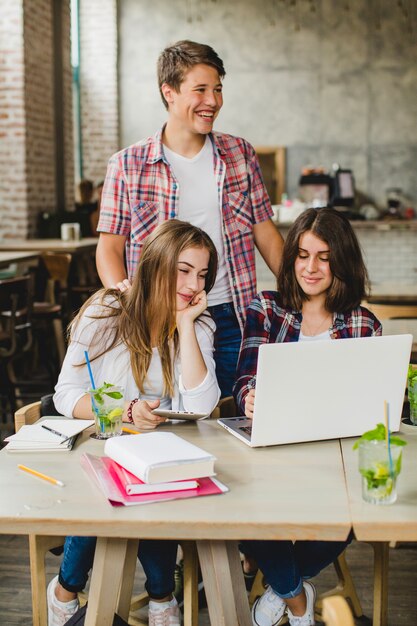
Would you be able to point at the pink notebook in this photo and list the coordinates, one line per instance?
(101, 470)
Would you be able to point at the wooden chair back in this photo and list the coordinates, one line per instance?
(58, 266)
(27, 415)
(336, 612)
(392, 311)
(225, 408)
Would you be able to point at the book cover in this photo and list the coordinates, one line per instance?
(101, 472)
(133, 485)
(160, 457)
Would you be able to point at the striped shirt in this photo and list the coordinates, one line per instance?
(269, 322)
(140, 192)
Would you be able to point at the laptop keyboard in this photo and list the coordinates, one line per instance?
(246, 429)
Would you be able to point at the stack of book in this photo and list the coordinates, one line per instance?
(49, 434)
(140, 469)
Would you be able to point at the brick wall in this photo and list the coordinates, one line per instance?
(40, 117)
(27, 114)
(99, 90)
(68, 129)
(13, 197)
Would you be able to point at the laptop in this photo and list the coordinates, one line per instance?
(317, 390)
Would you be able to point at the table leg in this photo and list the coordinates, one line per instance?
(381, 560)
(190, 611)
(111, 561)
(224, 583)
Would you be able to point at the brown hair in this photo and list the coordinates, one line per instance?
(176, 60)
(148, 309)
(350, 278)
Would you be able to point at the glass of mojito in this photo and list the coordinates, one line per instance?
(412, 393)
(379, 476)
(108, 404)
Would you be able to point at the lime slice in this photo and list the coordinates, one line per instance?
(117, 412)
(381, 470)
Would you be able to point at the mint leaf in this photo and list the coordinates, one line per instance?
(378, 434)
(116, 395)
(412, 375)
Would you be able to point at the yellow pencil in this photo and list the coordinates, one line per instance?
(130, 431)
(54, 481)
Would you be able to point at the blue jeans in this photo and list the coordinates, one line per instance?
(158, 560)
(226, 344)
(285, 564)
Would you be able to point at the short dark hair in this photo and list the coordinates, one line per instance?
(176, 60)
(350, 278)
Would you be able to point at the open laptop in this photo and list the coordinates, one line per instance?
(315, 390)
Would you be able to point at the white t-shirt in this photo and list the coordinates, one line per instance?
(199, 204)
(92, 334)
(324, 335)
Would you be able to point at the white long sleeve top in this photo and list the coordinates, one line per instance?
(114, 367)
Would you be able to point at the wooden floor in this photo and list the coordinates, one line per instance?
(15, 595)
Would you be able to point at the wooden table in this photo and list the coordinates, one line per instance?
(13, 256)
(384, 524)
(48, 245)
(282, 492)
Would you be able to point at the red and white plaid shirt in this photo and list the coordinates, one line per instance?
(140, 192)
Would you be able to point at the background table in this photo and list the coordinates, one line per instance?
(48, 245)
(12, 256)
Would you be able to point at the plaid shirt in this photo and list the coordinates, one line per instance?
(269, 322)
(140, 192)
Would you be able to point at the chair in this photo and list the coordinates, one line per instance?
(336, 612)
(345, 587)
(15, 330)
(55, 308)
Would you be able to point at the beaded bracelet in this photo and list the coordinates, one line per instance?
(129, 410)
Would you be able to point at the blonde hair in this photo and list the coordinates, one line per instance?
(146, 313)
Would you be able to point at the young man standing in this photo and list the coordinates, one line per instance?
(190, 172)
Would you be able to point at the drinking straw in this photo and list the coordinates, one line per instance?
(388, 436)
(93, 384)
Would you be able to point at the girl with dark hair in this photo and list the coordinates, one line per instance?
(321, 283)
(155, 341)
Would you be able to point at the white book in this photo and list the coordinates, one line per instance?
(57, 435)
(160, 457)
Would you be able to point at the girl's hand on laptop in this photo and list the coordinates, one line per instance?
(250, 403)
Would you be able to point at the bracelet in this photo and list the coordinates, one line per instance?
(129, 410)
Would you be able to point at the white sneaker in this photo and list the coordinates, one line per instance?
(269, 609)
(59, 612)
(164, 613)
(308, 618)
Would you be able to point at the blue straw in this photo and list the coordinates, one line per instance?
(93, 385)
(391, 468)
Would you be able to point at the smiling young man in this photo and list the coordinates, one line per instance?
(188, 171)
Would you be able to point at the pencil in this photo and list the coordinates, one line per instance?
(130, 431)
(54, 481)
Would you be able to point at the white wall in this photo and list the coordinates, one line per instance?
(334, 85)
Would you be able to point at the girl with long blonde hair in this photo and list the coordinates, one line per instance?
(156, 342)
